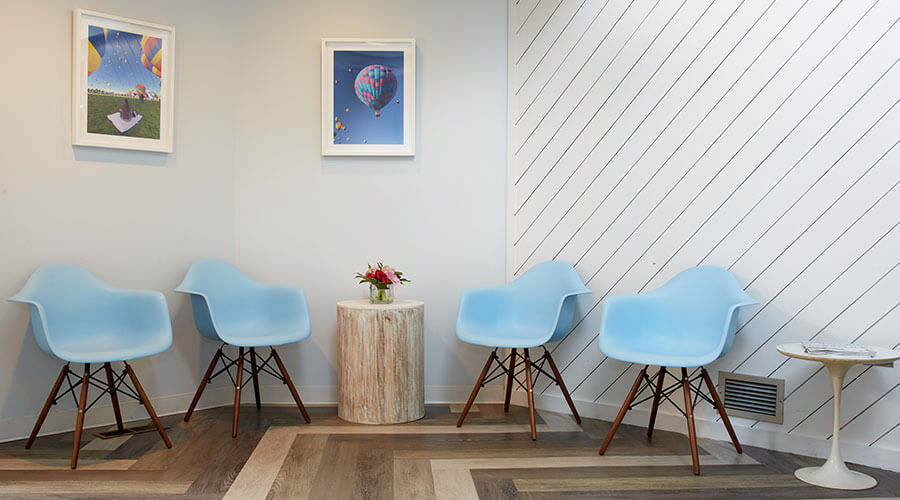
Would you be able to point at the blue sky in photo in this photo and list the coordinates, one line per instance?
(121, 68)
(360, 125)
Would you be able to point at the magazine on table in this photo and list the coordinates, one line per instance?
(836, 349)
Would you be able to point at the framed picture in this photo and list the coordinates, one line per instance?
(368, 97)
(122, 82)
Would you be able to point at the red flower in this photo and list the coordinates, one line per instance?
(370, 274)
(382, 276)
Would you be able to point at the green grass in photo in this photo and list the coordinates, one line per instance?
(99, 106)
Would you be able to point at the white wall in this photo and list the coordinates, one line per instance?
(246, 183)
(136, 219)
(759, 136)
(439, 216)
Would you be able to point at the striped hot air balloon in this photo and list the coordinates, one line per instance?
(151, 54)
(96, 47)
(375, 85)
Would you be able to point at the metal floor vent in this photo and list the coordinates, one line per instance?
(748, 396)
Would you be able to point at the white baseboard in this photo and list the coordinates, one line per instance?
(15, 428)
(880, 458)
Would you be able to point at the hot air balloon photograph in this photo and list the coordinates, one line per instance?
(122, 83)
(370, 108)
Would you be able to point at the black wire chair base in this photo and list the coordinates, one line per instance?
(230, 363)
(691, 386)
(113, 386)
(501, 370)
(515, 359)
(118, 382)
(664, 393)
(235, 367)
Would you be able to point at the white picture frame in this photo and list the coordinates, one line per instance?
(117, 68)
(356, 120)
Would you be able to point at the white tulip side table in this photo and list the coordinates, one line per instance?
(834, 473)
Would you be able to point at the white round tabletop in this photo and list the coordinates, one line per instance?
(393, 306)
(882, 355)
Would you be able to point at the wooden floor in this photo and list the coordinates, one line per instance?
(491, 456)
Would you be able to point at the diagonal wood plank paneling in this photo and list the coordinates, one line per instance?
(648, 137)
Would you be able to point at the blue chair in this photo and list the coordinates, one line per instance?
(536, 308)
(233, 309)
(81, 319)
(687, 323)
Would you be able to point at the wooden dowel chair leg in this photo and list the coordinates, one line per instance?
(47, 405)
(203, 382)
(689, 415)
(530, 390)
(147, 406)
(509, 379)
(79, 420)
(255, 377)
(110, 381)
(715, 397)
(290, 384)
(656, 397)
(237, 392)
(623, 410)
(562, 386)
(475, 389)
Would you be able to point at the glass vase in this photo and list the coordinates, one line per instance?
(381, 295)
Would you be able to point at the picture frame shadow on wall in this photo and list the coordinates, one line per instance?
(122, 82)
(368, 97)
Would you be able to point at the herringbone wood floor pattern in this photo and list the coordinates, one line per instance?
(491, 456)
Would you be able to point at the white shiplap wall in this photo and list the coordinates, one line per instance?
(650, 136)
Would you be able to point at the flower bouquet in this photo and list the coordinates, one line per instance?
(381, 280)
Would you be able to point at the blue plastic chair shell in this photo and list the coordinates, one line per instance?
(230, 307)
(80, 318)
(536, 308)
(690, 321)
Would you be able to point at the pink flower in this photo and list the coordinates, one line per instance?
(393, 277)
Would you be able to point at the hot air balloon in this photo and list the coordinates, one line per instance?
(151, 54)
(141, 90)
(375, 85)
(96, 47)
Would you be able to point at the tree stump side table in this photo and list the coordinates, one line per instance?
(381, 355)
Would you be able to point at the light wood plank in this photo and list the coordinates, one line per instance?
(413, 479)
(295, 478)
(658, 483)
(458, 408)
(106, 444)
(122, 487)
(258, 474)
(452, 482)
(63, 464)
(418, 429)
